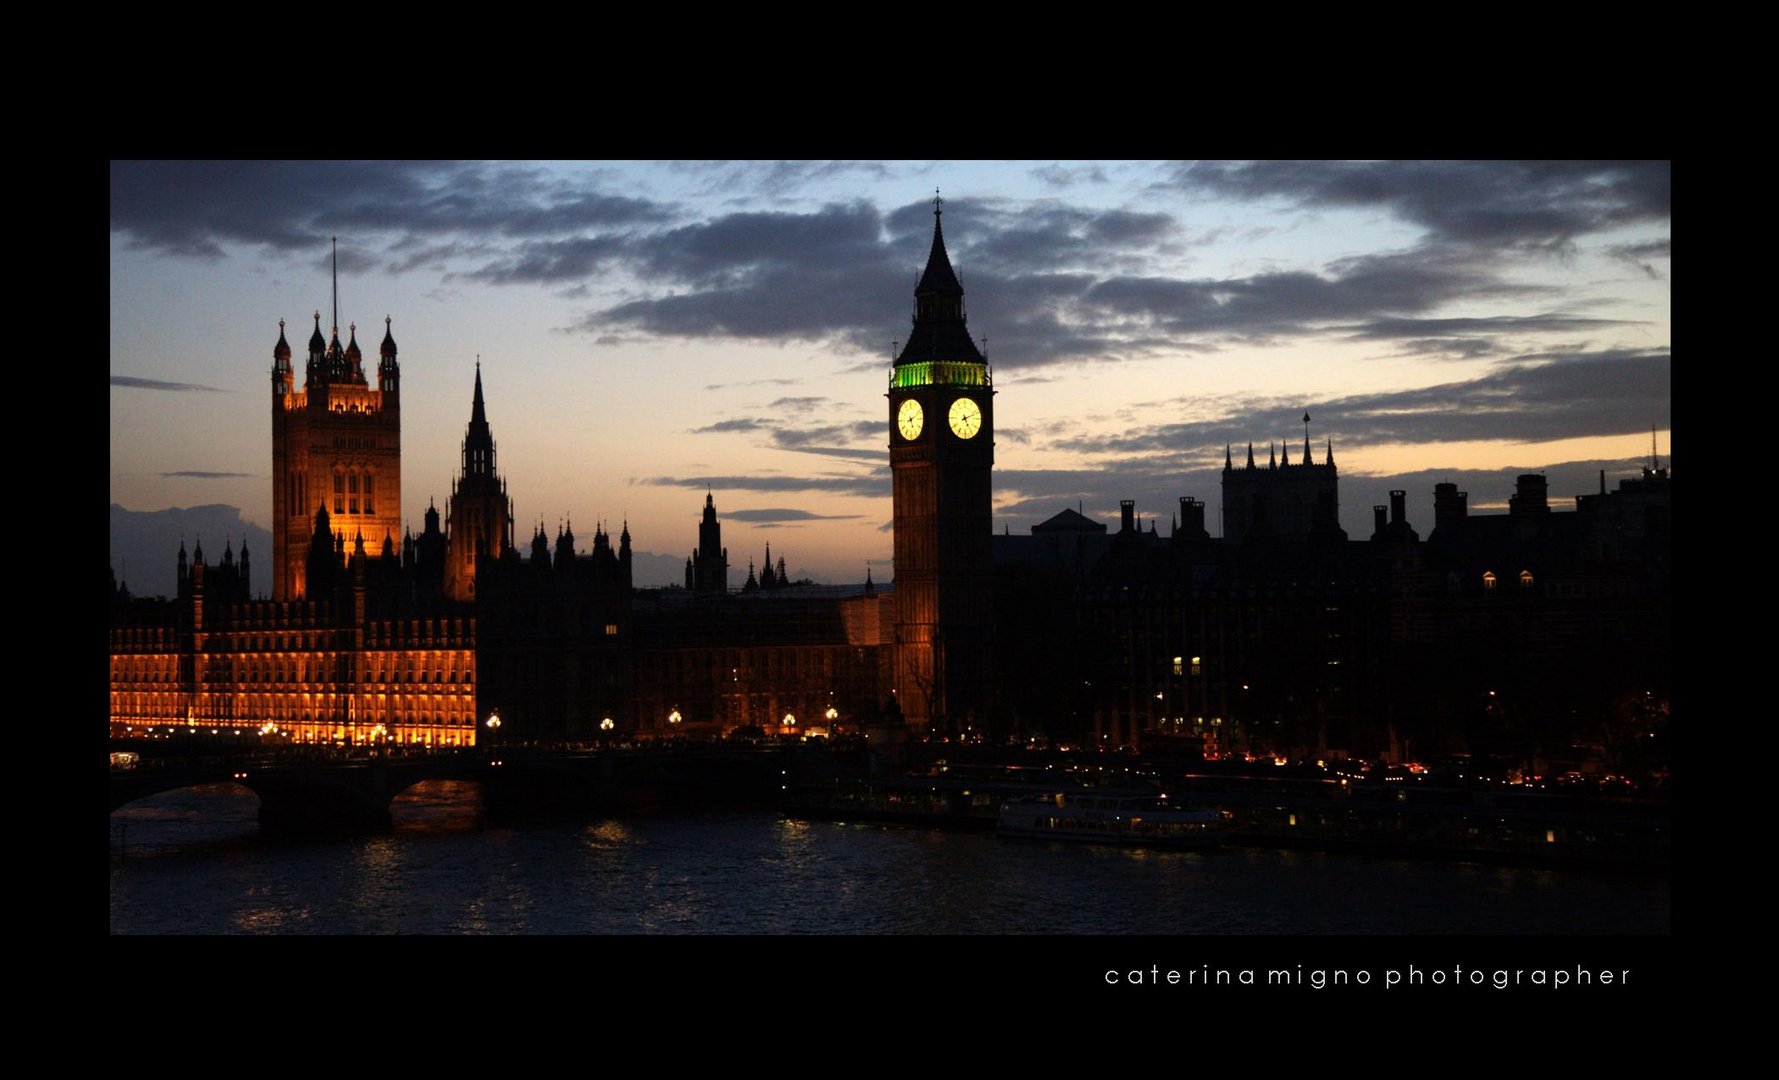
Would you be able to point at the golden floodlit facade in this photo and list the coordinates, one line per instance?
(361, 642)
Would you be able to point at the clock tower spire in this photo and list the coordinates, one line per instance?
(941, 405)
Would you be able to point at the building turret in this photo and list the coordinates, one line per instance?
(709, 565)
(1530, 496)
(479, 516)
(388, 371)
(282, 376)
(565, 546)
(338, 439)
(318, 574)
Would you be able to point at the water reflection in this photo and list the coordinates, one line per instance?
(437, 872)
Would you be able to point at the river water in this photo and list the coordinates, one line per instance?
(193, 862)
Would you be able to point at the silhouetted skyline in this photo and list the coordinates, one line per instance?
(647, 330)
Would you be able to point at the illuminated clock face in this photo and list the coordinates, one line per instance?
(966, 418)
(909, 419)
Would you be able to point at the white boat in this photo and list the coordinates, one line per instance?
(1111, 818)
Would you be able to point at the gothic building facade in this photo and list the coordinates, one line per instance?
(1283, 500)
(336, 444)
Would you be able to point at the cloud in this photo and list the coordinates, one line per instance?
(134, 383)
(194, 474)
(1642, 256)
(1546, 204)
(192, 208)
(1068, 176)
(1282, 302)
(737, 424)
(776, 177)
(1415, 328)
(874, 485)
(1049, 281)
(830, 440)
(783, 514)
(1536, 397)
(751, 382)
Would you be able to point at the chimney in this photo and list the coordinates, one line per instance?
(1449, 504)
(1398, 504)
(1529, 496)
(1128, 508)
(1192, 517)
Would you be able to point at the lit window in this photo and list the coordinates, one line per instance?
(611, 629)
(1197, 667)
(1525, 579)
(1179, 665)
(1488, 580)
(370, 498)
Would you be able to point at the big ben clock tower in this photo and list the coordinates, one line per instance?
(941, 414)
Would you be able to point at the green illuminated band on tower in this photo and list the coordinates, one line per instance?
(939, 373)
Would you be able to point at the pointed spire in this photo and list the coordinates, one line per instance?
(478, 438)
(336, 323)
(1250, 455)
(1227, 462)
(317, 343)
(352, 352)
(939, 276)
(1272, 456)
(388, 348)
(1306, 437)
(1331, 451)
(939, 333)
(1284, 452)
(281, 351)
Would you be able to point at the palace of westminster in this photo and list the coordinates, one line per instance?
(1283, 636)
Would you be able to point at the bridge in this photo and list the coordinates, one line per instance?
(301, 792)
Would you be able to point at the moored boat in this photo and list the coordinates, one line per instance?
(1145, 819)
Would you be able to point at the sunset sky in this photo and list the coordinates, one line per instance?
(647, 329)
